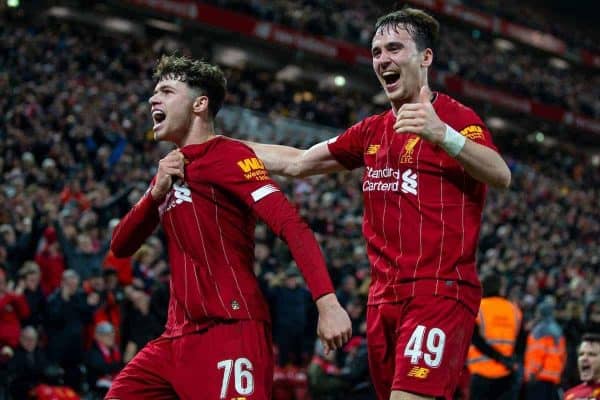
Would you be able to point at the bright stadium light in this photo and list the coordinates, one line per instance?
(13, 3)
(496, 123)
(539, 136)
(559, 63)
(504, 45)
(339, 81)
(163, 25)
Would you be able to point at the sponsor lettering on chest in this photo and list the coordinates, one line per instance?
(180, 194)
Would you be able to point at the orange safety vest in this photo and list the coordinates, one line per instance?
(499, 322)
(545, 359)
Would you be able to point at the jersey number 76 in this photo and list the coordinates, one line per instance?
(242, 375)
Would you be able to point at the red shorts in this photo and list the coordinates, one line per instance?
(419, 345)
(232, 360)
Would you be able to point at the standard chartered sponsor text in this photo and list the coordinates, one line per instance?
(389, 179)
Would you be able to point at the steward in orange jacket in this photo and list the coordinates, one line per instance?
(545, 355)
(492, 355)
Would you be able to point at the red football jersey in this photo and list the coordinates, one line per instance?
(422, 211)
(585, 391)
(209, 221)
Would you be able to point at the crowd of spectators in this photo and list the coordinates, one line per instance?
(352, 20)
(518, 71)
(75, 155)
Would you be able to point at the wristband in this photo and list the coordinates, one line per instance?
(453, 141)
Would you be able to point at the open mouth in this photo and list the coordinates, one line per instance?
(158, 116)
(585, 369)
(390, 77)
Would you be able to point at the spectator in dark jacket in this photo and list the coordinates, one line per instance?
(291, 310)
(68, 312)
(103, 361)
(141, 324)
(82, 257)
(29, 278)
(28, 365)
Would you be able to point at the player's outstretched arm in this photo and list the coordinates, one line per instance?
(481, 162)
(293, 162)
(334, 327)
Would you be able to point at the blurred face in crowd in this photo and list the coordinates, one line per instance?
(8, 234)
(399, 66)
(141, 301)
(291, 281)
(589, 361)
(84, 242)
(32, 280)
(106, 338)
(97, 283)
(171, 108)
(70, 281)
(28, 339)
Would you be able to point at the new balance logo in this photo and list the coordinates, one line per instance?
(372, 149)
(409, 182)
(182, 193)
(418, 372)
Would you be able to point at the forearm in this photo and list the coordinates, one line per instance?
(278, 159)
(135, 227)
(293, 162)
(484, 164)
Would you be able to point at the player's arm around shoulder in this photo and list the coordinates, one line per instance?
(293, 162)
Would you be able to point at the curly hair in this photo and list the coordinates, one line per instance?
(199, 75)
(422, 27)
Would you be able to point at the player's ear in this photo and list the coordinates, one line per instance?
(427, 57)
(200, 104)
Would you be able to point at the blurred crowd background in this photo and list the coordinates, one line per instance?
(77, 153)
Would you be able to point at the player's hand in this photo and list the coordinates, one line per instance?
(169, 167)
(420, 118)
(334, 328)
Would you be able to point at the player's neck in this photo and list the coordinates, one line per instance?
(200, 132)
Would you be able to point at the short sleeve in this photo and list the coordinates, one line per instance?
(472, 127)
(348, 148)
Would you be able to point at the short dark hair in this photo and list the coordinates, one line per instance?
(422, 27)
(591, 337)
(492, 284)
(207, 78)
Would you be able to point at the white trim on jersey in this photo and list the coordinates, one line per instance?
(263, 192)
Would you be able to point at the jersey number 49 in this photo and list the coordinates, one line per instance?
(434, 343)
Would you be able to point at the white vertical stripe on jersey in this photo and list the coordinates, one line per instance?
(212, 189)
(437, 273)
(389, 141)
(172, 304)
(420, 223)
(174, 230)
(208, 262)
(263, 192)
